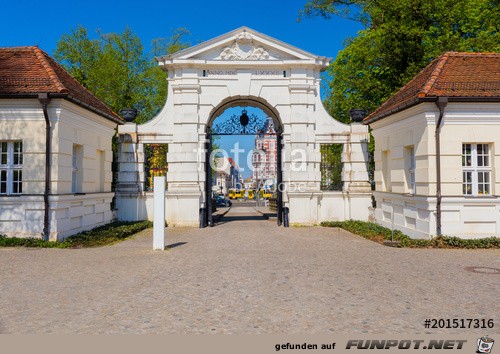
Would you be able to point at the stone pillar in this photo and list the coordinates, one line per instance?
(185, 162)
(130, 199)
(355, 160)
(301, 161)
(130, 161)
(356, 187)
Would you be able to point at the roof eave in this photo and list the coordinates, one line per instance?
(19, 95)
(397, 109)
(419, 100)
(111, 117)
(68, 97)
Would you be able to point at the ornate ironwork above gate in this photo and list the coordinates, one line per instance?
(239, 125)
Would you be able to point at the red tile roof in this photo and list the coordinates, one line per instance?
(471, 76)
(27, 71)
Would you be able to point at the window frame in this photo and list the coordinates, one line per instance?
(472, 170)
(11, 167)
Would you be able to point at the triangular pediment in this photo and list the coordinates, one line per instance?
(244, 44)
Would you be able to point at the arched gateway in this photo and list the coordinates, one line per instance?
(243, 125)
(245, 68)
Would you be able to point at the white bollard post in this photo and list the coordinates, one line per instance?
(159, 240)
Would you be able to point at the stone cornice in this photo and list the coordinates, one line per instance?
(169, 64)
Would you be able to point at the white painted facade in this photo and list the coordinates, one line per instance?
(245, 68)
(73, 129)
(413, 129)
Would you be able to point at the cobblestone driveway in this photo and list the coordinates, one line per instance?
(244, 276)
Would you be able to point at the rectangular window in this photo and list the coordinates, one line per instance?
(3, 152)
(3, 181)
(331, 167)
(11, 173)
(476, 169)
(77, 172)
(17, 181)
(410, 163)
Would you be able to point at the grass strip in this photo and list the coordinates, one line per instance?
(380, 234)
(100, 236)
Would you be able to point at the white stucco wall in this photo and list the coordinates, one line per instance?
(94, 133)
(469, 217)
(23, 120)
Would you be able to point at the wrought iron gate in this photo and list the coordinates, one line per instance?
(239, 125)
(279, 178)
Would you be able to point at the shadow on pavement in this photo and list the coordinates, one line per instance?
(177, 244)
(227, 219)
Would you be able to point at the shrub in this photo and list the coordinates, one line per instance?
(100, 236)
(27, 242)
(376, 232)
(107, 234)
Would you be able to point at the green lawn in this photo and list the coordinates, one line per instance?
(100, 236)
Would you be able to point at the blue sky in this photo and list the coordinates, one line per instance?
(32, 22)
(233, 143)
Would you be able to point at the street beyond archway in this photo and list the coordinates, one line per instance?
(244, 277)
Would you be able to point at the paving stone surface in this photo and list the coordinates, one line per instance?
(246, 275)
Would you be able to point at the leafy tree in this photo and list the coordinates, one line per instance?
(79, 55)
(171, 44)
(400, 38)
(120, 75)
(116, 68)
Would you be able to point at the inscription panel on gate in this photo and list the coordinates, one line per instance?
(234, 72)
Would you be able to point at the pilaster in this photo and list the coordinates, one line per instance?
(355, 160)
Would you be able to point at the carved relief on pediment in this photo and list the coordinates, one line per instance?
(244, 37)
(235, 52)
(244, 48)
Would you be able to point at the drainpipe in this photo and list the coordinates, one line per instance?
(44, 100)
(441, 104)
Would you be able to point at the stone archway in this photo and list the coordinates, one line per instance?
(245, 66)
(235, 129)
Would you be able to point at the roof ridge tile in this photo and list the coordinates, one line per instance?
(434, 75)
(41, 55)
